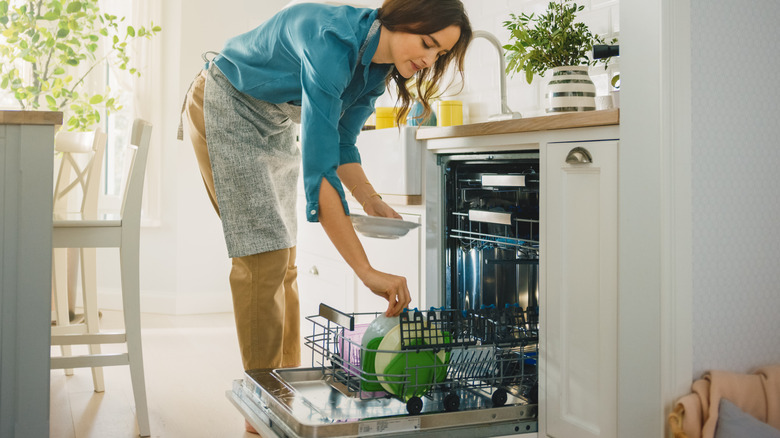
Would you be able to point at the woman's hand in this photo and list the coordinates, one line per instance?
(340, 231)
(393, 288)
(375, 206)
(354, 179)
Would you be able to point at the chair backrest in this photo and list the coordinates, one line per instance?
(78, 178)
(133, 191)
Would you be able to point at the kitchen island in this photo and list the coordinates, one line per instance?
(26, 181)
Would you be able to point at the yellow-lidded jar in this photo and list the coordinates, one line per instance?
(450, 113)
(385, 117)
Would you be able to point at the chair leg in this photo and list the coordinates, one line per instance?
(60, 285)
(73, 272)
(129, 259)
(91, 311)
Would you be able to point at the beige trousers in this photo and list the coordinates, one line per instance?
(264, 286)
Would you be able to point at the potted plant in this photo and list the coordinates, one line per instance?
(554, 41)
(48, 49)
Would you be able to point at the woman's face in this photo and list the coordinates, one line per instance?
(412, 52)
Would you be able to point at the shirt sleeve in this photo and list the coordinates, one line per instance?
(326, 68)
(352, 122)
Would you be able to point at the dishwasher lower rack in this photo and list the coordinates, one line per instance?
(442, 352)
(488, 388)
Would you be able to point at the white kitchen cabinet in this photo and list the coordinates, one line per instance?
(324, 276)
(578, 381)
(395, 256)
(323, 280)
(320, 280)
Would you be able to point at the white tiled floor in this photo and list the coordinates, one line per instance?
(190, 361)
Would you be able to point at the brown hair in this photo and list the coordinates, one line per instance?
(424, 17)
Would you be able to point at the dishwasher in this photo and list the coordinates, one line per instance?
(468, 369)
(457, 373)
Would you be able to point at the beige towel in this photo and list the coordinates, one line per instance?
(757, 394)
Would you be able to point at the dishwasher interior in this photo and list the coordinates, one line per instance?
(491, 216)
(462, 373)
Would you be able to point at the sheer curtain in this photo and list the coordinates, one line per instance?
(140, 98)
(147, 92)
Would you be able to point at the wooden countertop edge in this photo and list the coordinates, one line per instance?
(18, 117)
(542, 123)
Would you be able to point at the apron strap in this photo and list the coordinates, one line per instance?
(205, 57)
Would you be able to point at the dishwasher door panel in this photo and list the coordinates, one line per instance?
(300, 403)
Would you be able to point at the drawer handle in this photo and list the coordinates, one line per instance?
(313, 271)
(579, 155)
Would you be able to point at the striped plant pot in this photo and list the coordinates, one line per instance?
(570, 90)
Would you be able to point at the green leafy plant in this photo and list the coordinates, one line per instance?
(552, 39)
(45, 43)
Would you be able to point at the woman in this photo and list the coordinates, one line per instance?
(323, 67)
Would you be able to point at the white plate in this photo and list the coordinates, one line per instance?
(392, 342)
(381, 227)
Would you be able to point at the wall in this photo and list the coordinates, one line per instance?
(480, 93)
(735, 185)
(480, 89)
(184, 264)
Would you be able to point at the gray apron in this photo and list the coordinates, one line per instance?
(255, 161)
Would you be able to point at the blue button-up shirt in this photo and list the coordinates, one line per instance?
(307, 55)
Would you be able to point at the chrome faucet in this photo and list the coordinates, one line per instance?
(505, 113)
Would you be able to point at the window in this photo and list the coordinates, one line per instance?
(135, 95)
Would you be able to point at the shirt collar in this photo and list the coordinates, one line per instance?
(372, 39)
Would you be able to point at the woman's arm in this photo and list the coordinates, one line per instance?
(339, 229)
(355, 180)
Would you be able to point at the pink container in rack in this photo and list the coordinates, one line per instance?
(350, 349)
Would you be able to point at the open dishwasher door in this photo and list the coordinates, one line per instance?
(484, 388)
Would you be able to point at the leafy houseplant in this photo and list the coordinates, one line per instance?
(549, 40)
(45, 41)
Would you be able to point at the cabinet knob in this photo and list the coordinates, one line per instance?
(313, 271)
(579, 155)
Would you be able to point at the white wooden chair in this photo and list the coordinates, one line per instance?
(122, 232)
(76, 193)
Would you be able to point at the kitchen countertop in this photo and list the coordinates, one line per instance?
(16, 117)
(542, 123)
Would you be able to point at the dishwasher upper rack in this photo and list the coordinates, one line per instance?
(490, 353)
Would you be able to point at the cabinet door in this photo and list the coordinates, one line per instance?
(578, 387)
(395, 256)
(321, 280)
(323, 276)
